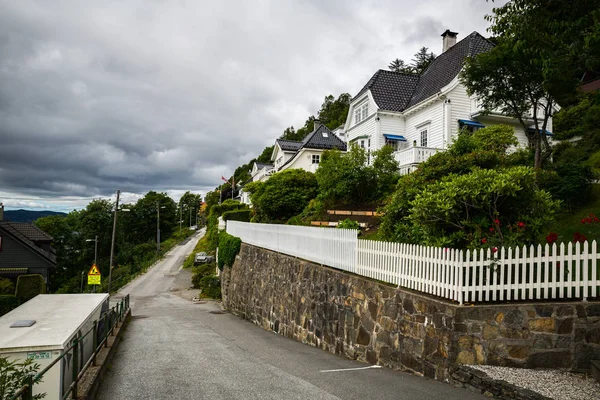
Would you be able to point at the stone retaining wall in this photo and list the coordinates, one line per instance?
(376, 323)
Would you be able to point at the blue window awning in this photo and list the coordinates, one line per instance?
(468, 122)
(395, 137)
(548, 133)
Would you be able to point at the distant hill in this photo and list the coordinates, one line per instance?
(27, 215)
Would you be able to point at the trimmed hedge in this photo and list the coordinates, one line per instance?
(229, 247)
(211, 287)
(8, 302)
(237, 215)
(29, 286)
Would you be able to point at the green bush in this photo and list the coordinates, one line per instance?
(29, 286)
(568, 182)
(237, 215)
(14, 374)
(201, 271)
(8, 302)
(210, 286)
(348, 224)
(6, 286)
(229, 247)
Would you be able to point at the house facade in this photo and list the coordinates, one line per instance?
(261, 171)
(24, 249)
(306, 155)
(419, 115)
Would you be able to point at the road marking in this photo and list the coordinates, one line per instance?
(351, 369)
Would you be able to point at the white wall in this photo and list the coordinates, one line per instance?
(304, 160)
(461, 107)
(366, 127)
(432, 113)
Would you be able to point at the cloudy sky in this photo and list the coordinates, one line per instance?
(169, 95)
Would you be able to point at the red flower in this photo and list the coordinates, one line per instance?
(579, 237)
(521, 224)
(552, 237)
(583, 221)
(491, 229)
(495, 249)
(484, 240)
(497, 221)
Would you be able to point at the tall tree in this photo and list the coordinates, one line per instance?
(422, 59)
(399, 65)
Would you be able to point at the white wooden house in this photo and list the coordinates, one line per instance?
(306, 155)
(420, 115)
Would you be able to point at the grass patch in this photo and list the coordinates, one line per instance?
(567, 223)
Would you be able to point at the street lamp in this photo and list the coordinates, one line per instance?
(95, 240)
(112, 243)
(158, 207)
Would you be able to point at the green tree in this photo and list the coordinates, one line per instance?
(334, 112)
(385, 167)
(283, 196)
(422, 59)
(265, 156)
(144, 217)
(188, 207)
(399, 65)
(504, 79)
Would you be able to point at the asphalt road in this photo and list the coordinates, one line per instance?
(174, 349)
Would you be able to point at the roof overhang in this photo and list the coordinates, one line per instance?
(474, 124)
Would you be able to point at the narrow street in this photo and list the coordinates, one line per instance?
(174, 349)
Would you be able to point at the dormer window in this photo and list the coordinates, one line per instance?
(325, 134)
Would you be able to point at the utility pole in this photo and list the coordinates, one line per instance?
(96, 250)
(157, 227)
(112, 244)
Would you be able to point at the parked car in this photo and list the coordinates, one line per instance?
(203, 258)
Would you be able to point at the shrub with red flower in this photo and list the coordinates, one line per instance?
(552, 237)
(484, 240)
(592, 219)
(579, 237)
(521, 224)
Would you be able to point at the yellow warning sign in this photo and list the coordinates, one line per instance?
(94, 270)
(94, 276)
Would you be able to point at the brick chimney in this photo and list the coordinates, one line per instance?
(317, 125)
(449, 39)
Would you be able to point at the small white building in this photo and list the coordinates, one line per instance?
(420, 115)
(54, 321)
(306, 155)
(261, 171)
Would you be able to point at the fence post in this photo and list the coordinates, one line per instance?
(95, 340)
(75, 367)
(28, 393)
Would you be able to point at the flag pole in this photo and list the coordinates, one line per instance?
(232, 186)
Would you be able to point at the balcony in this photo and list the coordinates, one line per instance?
(408, 158)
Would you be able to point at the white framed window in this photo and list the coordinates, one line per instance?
(361, 112)
(325, 134)
(423, 135)
(316, 158)
(362, 144)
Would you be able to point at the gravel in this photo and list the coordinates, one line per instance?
(555, 384)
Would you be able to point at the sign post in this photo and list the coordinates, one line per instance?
(94, 277)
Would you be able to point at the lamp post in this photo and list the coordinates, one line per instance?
(112, 242)
(95, 240)
(158, 207)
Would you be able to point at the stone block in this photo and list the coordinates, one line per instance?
(593, 310)
(544, 311)
(564, 311)
(475, 329)
(364, 337)
(542, 341)
(465, 357)
(564, 342)
(519, 352)
(408, 306)
(593, 336)
(465, 342)
(372, 357)
(420, 319)
(550, 359)
(479, 354)
(513, 319)
(565, 327)
(373, 310)
(499, 317)
(490, 332)
(542, 325)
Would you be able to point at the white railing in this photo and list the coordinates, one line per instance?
(414, 155)
(562, 271)
(332, 247)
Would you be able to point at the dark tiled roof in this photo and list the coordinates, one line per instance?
(447, 65)
(323, 138)
(29, 235)
(394, 91)
(391, 90)
(260, 165)
(289, 145)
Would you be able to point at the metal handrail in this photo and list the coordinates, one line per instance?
(114, 316)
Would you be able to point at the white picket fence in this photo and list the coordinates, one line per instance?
(562, 271)
(332, 247)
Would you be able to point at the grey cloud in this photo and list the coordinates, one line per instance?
(169, 96)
